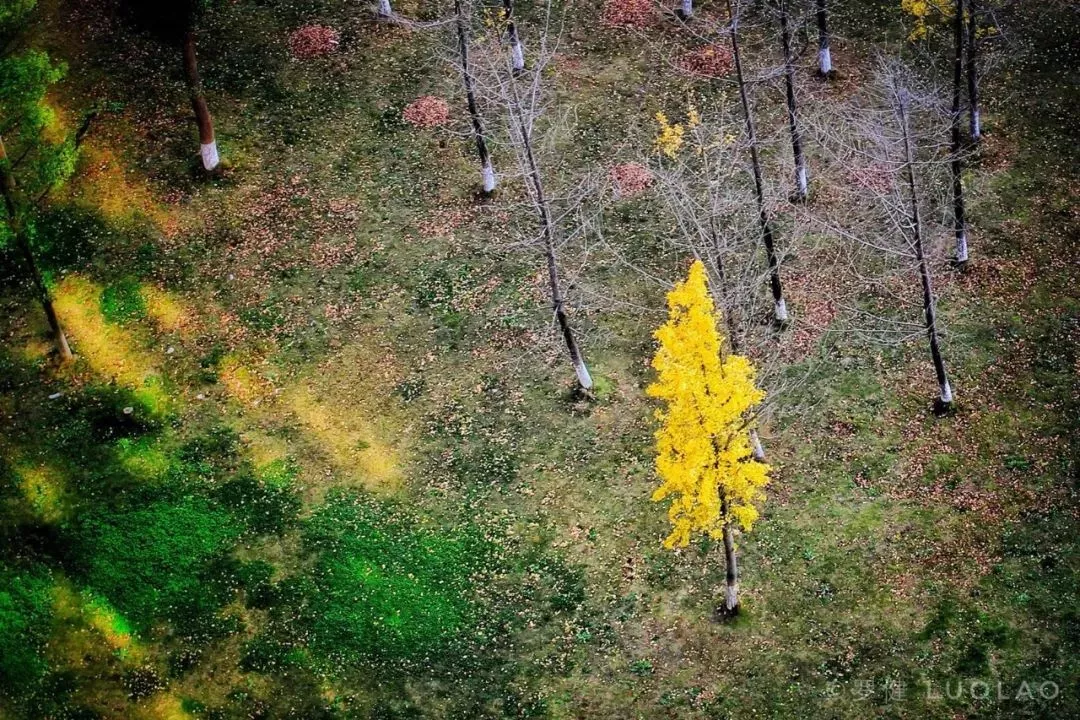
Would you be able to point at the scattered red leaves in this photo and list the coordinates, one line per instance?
(312, 41)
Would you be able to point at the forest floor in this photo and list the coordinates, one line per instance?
(335, 321)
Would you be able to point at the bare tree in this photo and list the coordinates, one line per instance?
(973, 70)
(779, 305)
(517, 52)
(522, 99)
(825, 66)
(487, 172)
(956, 164)
(801, 177)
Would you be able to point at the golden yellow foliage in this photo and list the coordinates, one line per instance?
(704, 456)
(670, 138)
(923, 11)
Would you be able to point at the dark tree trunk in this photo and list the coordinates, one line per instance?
(956, 165)
(801, 179)
(207, 145)
(780, 307)
(7, 187)
(730, 607)
(517, 53)
(824, 51)
(929, 314)
(547, 226)
(973, 73)
(734, 336)
(487, 173)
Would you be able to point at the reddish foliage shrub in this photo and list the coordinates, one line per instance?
(629, 13)
(630, 179)
(427, 112)
(313, 41)
(709, 61)
(875, 178)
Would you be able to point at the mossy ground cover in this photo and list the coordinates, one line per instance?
(318, 456)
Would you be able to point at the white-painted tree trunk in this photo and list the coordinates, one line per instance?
(755, 444)
(488, 173)
(801, 177)
(583, 377)
(687, 9)
(825, 61)
(946, 393)
(961, 248)
(209, 154)
(976, 125)
(780, 311)
(517, 56)
(385, 10)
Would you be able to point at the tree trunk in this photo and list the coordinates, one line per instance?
(956, 166)
(487, 173)
(779, 306)
(731, 585)
(517, 53)
(824, 53)
(385, 11)
(734, 337)
(207, 145)
(686, 9)
(929, 314)
(7, 187)
(801, 179)
(973, 73)
(547, 226)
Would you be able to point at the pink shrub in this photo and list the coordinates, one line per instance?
(312, 41)
(427, 112)
(710, 61)
(630, 178)
(629, 13)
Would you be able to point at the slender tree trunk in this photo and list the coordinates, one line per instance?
(686, 9)
(734, 336)
(824, 52)
(801, 178)
(929, 314)
(385, 11)
(956, 165)
(547, 226)
(7, 187)
(779, 307)
(973, 72)
(517, 53)
(207, 145)
(487, 172)
(731, 585)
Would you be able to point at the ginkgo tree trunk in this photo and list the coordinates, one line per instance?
(956, 166)
(704, 457)
(487, 172)
(825, 66)
(801, 175)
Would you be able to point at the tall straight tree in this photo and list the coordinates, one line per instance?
(40, 162)
(825, 66)
(955, 161)
(779, 305)
(175, 24)
(704, 457)
(517, 52)
(801, 177)
(487, 172)
(973, 70)
(521, 96)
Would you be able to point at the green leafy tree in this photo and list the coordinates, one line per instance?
(36, 153)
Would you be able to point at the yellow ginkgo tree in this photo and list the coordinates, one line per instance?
(704, 455)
